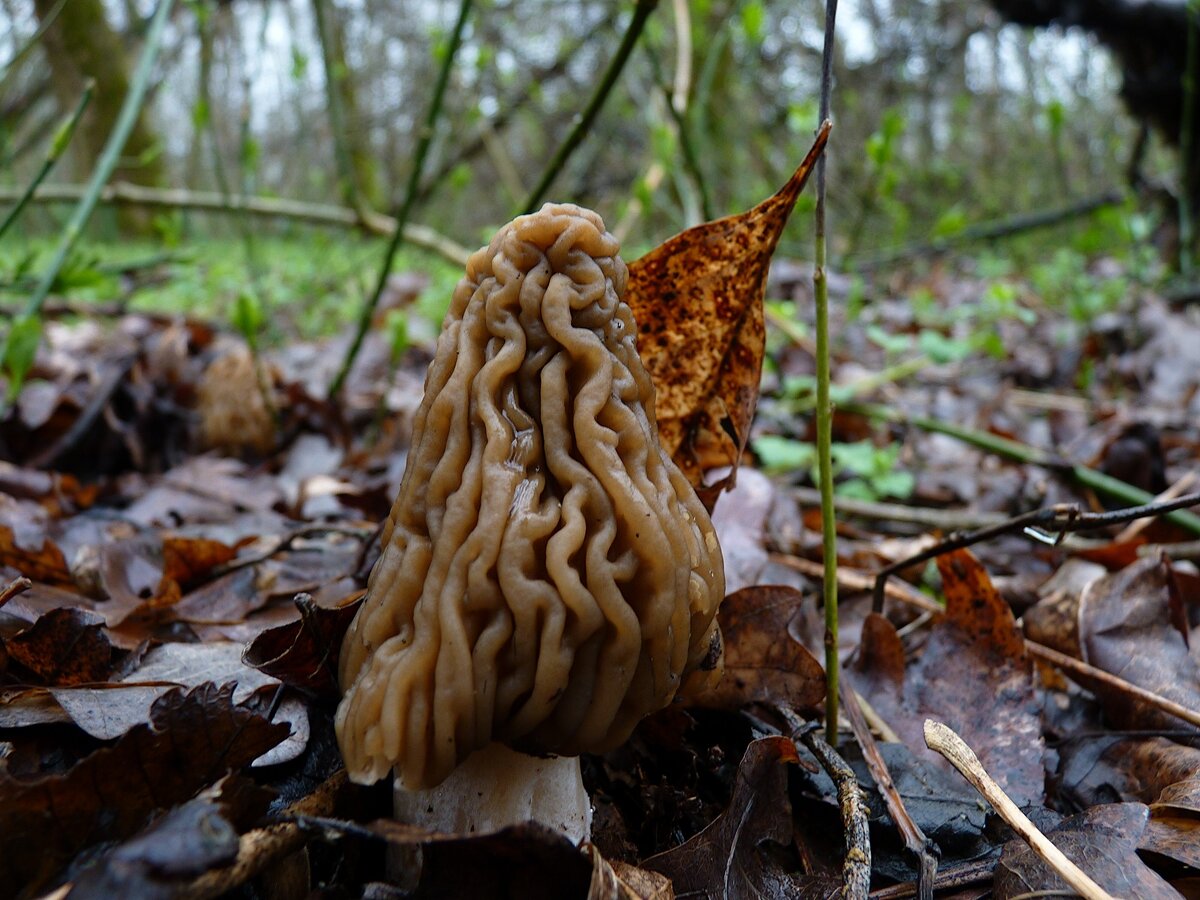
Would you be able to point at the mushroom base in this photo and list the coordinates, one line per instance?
(497, 787)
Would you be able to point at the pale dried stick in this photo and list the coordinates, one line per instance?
(942, 739)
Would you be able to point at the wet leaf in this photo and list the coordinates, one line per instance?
(973, 674)
(1102, 841)
(698, 302)
(186, 560)
(194, 739)
(763, 662)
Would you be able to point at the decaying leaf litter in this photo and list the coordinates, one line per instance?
(132, 722)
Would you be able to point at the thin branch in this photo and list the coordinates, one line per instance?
(824, 407)
(856, 865)
(640, 14)
(942, 519)
(410, 196)
(1049, 523)
(62, 139)
(266, 207)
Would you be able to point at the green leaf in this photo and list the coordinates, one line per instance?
(396, 327)
(20, 350)
(754, 16)
(248, 317)
(942, 349)
(779, 454)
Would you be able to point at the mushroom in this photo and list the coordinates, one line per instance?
(547, 577)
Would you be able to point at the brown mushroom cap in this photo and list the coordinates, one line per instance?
(548, 577)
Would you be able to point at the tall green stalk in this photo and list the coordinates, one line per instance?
(109, 157)
(825, 409)
(410, 196)
(58, 146)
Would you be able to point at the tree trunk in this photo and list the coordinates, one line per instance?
(80, 44)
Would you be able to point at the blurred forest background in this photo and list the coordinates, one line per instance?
(950, 121)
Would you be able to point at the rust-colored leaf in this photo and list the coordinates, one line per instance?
(698, 302)
(64, 647)
(45, 564)
(186, 560)
(763, 662)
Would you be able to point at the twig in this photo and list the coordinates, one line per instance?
(858, 580)
(14, 588)
(1182, 486)
(410, 196)
(944, 519)
(943, 740)
(1097, 481)
(856, 866)
(1057, 520)
(641, 13)
(1181, 550)
(824, 408)
(267, 207)
(1079, 667)
(914, 838)
(62, 138)
(987, 231)
(976, 872)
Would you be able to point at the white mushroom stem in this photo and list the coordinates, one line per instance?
(497, 787)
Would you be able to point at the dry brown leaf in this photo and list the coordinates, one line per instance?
(697, 299)
(45, 564)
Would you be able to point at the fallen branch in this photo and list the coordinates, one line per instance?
(268, 207)
(914, 838)
(1057, 520)
(943, 740)
(942, 519)
(856, 865)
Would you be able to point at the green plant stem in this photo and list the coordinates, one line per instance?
(104, 165)
(640, 14)
(17, 58)
(62, 138)
(825, 409)
(1023, 453)
(410, 196)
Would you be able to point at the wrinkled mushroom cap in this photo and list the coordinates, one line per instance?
(547, 575)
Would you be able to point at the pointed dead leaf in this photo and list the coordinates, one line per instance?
(188, 559)
(698, 302)
(763, 662)
(194, 738)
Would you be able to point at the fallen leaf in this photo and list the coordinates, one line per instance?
(763, 662)
(193, 739)
(727, 859)
(698, 302)
(304, 654)
(1102, 841)
(64, 647)
(45, 564)
(973, 674)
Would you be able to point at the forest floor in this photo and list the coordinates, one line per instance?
(196, 525)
